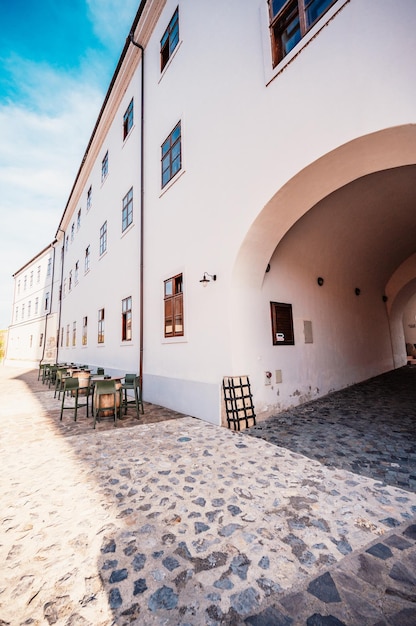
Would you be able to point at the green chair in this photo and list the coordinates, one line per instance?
(46, 373)
(106, 388)
(61, 374)
(71, 394)
(52, 375)
(132, 382)
(40, 371)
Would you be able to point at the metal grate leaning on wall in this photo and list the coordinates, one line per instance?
(238, 401)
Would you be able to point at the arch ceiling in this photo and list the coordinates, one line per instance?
(363, 198)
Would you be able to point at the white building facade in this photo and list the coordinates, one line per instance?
(271, 146)
(32, 334)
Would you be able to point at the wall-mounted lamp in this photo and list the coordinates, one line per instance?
(207, 278)
(357, 291)
(320, 281)
(385, 298)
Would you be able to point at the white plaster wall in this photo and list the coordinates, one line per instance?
(244, 136)
(114, 275)
(29, 334)
(242, 141)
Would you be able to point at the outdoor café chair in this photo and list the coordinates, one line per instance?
(103, 404)
(132, 382)
(71, 395)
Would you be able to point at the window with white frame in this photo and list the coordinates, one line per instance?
(74, 333)
(127, 210)
(31, 279)
(70, 280)
(47, 300)
(290, 20)
(171, 155)
(103, 238)
(128, 119)
(67, 336)
(38, 274)
(23, 311)
(87, 259)
(49, 269)
(29, 308)
(89, 198)
(104, 167)
(36, 306)
(76, 272)
(169, 40)
(79, 219)
(72, 231)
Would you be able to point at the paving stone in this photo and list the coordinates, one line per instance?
(192, 521)
(324, 588)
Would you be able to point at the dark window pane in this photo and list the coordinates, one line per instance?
(314, 10)
(277, 5)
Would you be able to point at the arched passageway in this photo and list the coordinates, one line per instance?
(348, 218)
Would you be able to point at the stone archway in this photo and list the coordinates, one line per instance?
(375, 171)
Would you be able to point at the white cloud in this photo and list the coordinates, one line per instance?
(40, 152)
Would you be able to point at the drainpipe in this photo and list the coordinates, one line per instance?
(141, 292)
(50, 305)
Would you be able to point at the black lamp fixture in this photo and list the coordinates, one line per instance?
(357, 291)
(207, 278)
(320, 281)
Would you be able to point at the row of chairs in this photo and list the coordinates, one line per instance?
(105, 395)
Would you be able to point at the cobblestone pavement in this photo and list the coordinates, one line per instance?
(170, 520)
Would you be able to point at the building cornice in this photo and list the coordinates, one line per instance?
(143, 25)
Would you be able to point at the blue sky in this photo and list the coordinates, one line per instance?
(57, 58)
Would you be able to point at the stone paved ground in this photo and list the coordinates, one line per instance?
(180, 522)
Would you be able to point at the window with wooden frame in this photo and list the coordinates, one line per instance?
(101, 326)
(171, 155)
(174, 307)
(282, 324)
(290, 20)
(74, 333)
(128, 120)
(126, 319)
(84, 331)
(169, 40)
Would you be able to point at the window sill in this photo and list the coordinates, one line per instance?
(127, 230)
(173, 55)
(168, 340)
(172, 182)
(126, 138)
(272, 72)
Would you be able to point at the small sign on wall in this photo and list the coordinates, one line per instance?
(280, 336)
(307, 330)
